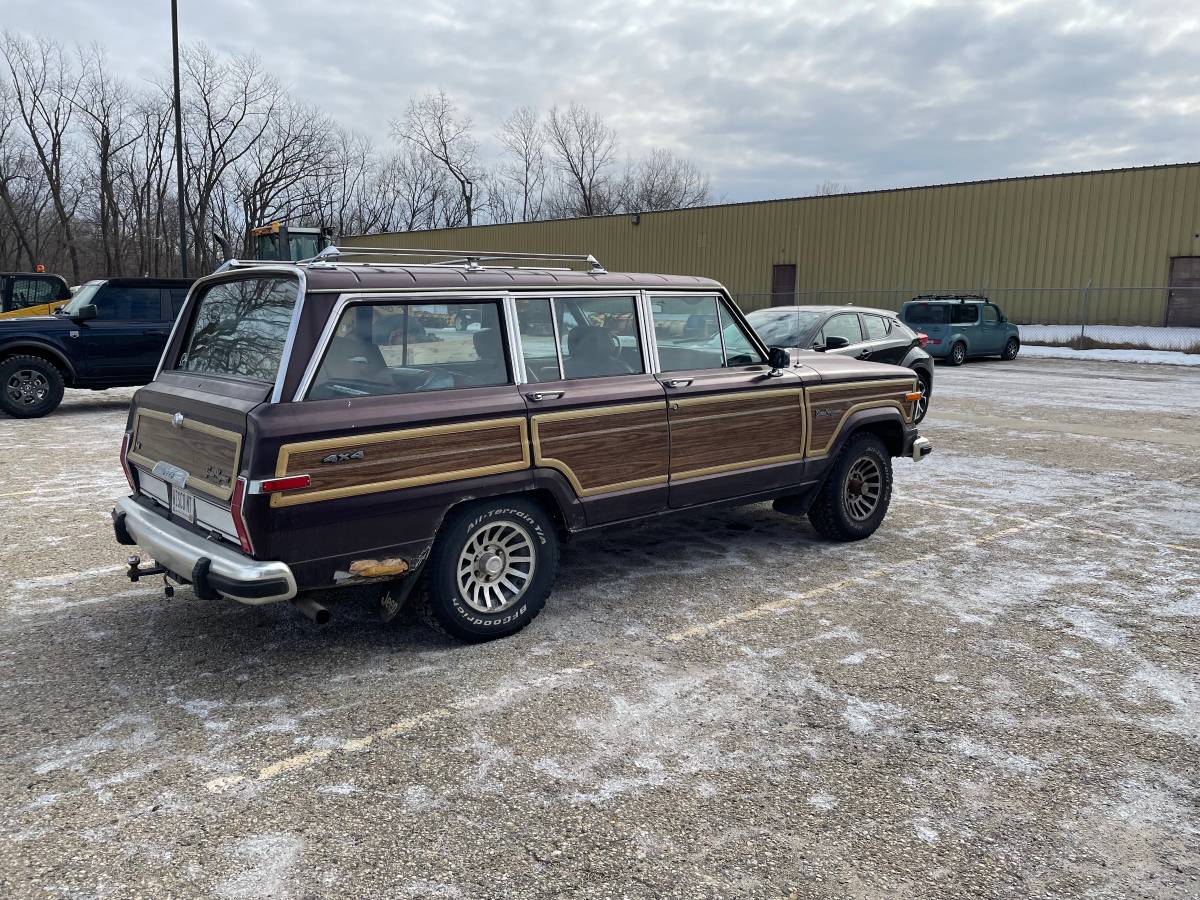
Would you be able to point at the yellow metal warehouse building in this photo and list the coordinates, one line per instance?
(1109, 247)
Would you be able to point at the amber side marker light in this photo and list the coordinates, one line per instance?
(913, 395)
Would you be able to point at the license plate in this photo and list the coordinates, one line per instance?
(183, 505)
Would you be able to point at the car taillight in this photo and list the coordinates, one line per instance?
(923, 338)
(933, 341)
(239, 516)
(129, 476)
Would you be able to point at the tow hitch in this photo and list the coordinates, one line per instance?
(136, 572)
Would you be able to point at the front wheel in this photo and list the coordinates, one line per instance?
(857, 492)
(491, 569)
(30, 387)
(1011, 349)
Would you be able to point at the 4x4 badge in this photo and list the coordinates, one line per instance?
(343, 456)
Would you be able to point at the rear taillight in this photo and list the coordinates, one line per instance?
(933, 341)
(923, 338)
(236, 509)
(129, 476)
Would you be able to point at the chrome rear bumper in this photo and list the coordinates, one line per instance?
(226, 572)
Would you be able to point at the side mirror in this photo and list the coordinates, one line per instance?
(835, 342)
(88, 311)
(778, 358)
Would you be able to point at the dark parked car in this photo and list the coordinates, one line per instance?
(110, 334)
(960, 326)
(289, 445)
(874, 335)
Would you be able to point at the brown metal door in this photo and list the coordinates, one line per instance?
(596, 414)
(783, 285)
(1183, 300)
(735, 429)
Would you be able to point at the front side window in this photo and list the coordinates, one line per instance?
(239, 328)
(122, 304)
(699, 333)
(379, 349)
(843, 325)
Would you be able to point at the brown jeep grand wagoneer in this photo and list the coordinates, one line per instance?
(338, 423)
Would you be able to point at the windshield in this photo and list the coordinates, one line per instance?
(239, 328)
(784, 327)
(83, 296)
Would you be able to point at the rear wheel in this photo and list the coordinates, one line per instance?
(30, 386)
(1011, 349)
(855, 497)
(958, 354)
(491, 569)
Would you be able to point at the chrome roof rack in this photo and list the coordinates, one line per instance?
(467, 259)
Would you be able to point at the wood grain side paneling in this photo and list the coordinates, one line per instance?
(829, 406)
(398, 459)
(611, 448)
(209, 455)
(735, 431)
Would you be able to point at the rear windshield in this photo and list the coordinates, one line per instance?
(239, 328)
(924, 313)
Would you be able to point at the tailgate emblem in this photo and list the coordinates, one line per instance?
(343, 456)
(177, 420)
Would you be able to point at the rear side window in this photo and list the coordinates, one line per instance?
(964, 314)
(381, 349)
(925, 314)
(877, 327)
(239, 328)
(28, 292)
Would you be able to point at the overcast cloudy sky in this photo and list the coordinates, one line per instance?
(770, 97)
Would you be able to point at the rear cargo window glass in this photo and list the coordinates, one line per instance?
(382, 349)
(925, 314)
(239, 328)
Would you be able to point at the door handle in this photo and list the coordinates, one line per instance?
(538, 396)
(677, 382)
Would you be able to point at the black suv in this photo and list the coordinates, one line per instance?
(875, 335)
(110, 334)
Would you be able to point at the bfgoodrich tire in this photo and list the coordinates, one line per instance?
(30, 387)
(855, 497)
(491, 570)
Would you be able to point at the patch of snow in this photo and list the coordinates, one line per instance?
(1159, 338)
(268, 861)
(1160, 357)
(823, 801)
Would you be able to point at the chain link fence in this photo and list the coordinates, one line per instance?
(1083, 317)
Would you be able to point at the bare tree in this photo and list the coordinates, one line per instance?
(828, 188)
(583, 150)
(663, 180)
(45, 85)
(433, 125)
(521, 177)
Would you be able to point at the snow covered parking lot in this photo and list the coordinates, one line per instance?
(997, 694)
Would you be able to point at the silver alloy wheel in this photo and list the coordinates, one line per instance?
(863, 488)
(27, 387)
(958, 354)
(922, 404)
(496, 566)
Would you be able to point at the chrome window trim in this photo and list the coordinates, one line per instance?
(377, 298)
(590, 294)
(562, 370)
(649, 335)
(513, 337)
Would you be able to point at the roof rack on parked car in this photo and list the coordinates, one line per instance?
(961, 298)
(468, 259)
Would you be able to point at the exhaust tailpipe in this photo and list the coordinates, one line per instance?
(312, 609)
